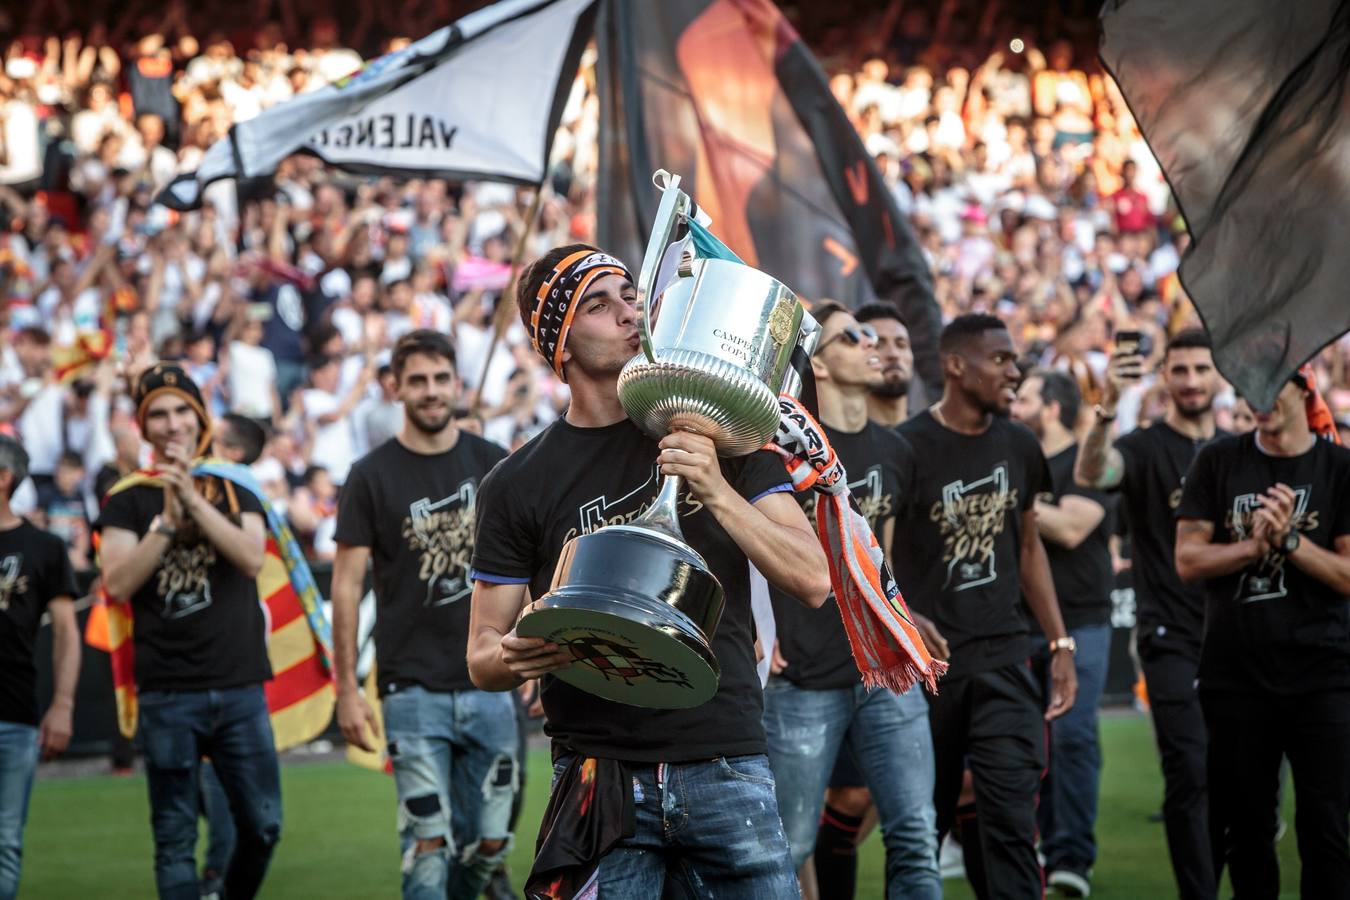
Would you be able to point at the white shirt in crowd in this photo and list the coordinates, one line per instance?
(253, 372)
(333, 446)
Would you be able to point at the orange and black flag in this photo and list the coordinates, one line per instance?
(725, 94)
(1246, 105)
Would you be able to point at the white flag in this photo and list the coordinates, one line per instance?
(476, 99)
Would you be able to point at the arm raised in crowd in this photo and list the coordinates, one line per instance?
(1100, 465)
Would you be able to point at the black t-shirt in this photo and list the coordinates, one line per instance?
(1272, 627)
(958, 535)
(199, 623)
(34, 569)
(569, 481)
(813, 641)
(416, 514)
(1156, 459)
(1082, 575)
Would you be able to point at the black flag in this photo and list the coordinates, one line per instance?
(726, 94)
(1244, 104)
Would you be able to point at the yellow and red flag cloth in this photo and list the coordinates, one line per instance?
(79, 359)
(301, 693)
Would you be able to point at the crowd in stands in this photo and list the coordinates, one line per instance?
(1021, 169)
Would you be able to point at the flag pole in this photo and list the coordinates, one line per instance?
(506, 303)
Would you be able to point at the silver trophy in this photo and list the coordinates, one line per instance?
(634, 603)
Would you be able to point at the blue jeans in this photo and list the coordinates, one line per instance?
(891, 742)
(1068, 810)
(455, 767)
(232, 727)
(18, 761)
(215, 808)
(703, 829)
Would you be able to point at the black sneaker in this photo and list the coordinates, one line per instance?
(1071, 882)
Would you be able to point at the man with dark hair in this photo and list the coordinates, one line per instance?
(35, 577)
(1264, 528)
(408, 506)
(1148, 467)
(241, 439)
(641, 796)
(815, 706)
(967, 524)
(1076, 528)
(888, 401)
(186, 551)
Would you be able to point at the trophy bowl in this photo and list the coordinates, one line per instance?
(634, 604)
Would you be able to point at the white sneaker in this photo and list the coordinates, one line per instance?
(1070, 883)
(951, 859)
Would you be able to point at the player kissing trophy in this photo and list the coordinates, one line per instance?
(721, 340)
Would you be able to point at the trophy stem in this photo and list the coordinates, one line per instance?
(664, 513)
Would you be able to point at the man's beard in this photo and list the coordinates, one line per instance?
(1195, 413)
(429, 426)
(890, 389)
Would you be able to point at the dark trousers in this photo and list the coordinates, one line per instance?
(1250, 732)
(994, 721)
(1067, 813)
(1179, 727)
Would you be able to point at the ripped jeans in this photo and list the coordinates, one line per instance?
(455, 767)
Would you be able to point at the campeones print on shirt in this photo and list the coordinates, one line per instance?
(970, 518)
(441, 534)
(181, 581)
(600, 511)
(12, 584)
(1265, 581)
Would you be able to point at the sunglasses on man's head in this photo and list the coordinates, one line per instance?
(854, 334)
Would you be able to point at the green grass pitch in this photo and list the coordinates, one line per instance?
(90, 837)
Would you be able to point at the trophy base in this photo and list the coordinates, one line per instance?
(628, 648)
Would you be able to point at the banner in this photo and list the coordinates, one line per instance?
(725, 94)
(1244, 104)
(477, 99)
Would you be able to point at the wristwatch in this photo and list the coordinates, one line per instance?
(1102, 414)
(1064, 643)
(159, 526)
(1289, 543)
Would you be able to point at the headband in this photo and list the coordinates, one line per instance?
(1320, 420)
(555, 304)
(169, 378)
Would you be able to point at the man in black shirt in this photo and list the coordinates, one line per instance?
(816, 699)
(408, 507)
(1148, 467)
(967, 552)
(696, 780)
(1264, 526)
(186, 550)
(1076, 528)
(35, 577)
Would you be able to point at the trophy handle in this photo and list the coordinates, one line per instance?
(674, 206)
(800, 361)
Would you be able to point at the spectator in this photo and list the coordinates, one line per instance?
(62, 509)
(326, 412)
(252, 372)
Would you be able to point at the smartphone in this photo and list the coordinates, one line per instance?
(1134, 342)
